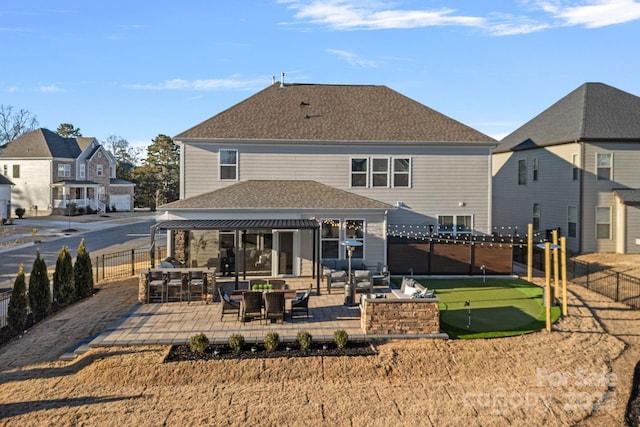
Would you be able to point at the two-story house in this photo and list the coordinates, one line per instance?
(574, 167)
(49, 172)
(5, 198)
(293, 172)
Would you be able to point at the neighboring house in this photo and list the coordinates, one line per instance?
(5, 198)
(574, 167)
(360, 162)
(50, 171)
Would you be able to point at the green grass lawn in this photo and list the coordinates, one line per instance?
(498, 307)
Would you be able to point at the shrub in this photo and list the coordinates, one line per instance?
(90, 210)
(272, 341)
(236, 342)
(72, 209)
(81, 210)
(39, 291)
(199, 343)
(83, 272)
(17, 310)
(341, 338)
(20, 212)
(304, 339)
(63, 287)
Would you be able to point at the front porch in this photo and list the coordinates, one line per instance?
(81, 194)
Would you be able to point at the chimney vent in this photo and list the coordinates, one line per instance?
(282, 80)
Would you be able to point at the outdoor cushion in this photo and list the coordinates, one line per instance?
(410, 290)
(362, 273)
(338, 274)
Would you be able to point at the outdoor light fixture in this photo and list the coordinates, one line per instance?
(349, 290)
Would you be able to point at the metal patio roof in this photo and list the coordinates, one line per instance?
(237, 224)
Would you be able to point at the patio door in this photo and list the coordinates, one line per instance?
(285, 253)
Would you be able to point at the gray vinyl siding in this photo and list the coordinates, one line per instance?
(554, 191)
(632, 229)
(625, 174)
(33, 187)
(441, 178)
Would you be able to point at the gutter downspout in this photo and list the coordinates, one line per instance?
(386, 243)
(581, 201)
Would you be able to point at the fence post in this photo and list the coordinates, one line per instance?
(133, 262)
(588, 269)
(97, 276)
(617, 286)
(103, 267)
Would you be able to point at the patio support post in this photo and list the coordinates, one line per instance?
(235, 258)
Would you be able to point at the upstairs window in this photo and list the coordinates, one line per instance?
(83, 171)
(522, 172)
(603, 166)
(535, 168)
(99, 170)
(380, 172)
(64, 170)
(359, 172)
(575, 160)
(5, 170)
(228, 162)
(401, 172)
(16, 171)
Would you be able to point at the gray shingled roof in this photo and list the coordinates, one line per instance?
(118, 181)
(278, 194)
(629, 196)
(5, 181)
(316, 112)
(42, 143)
(594, 111)
(237, 224)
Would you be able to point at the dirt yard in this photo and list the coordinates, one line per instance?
(579, 374)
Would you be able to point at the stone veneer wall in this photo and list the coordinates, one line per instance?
(390, 316)
(181, 245)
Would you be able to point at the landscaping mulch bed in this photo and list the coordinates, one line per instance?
(179, 353)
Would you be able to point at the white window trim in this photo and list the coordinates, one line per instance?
(344, 237)
(597, 223)
(220, 164)
(409, 172)
(83, 171)
(99, 170)
(455, 231)
(575, 165)
(331, 239)
(610, 167)
(365, 173)
(388, 173)
(526, 170)
(570, 222)
(535, 168)
(64, 173)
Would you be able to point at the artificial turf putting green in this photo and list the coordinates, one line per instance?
(498, 307)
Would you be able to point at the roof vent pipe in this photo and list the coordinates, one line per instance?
(282, 80)
(273, 80)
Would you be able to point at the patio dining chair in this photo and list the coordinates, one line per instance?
(175, 280)
(253, 282)
(301, 304)
(278, 283)
(274, 306)
(156, 284)
(251, 306)
(228, 306)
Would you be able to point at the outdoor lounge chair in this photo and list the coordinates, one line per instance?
(251, 305)
(363, 281)
(157, 283)
(301, 304)
(228, 306)
(337, 279)
(274, 306)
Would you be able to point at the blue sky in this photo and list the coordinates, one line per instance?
(137, 69)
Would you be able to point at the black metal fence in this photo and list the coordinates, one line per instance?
(618, 286)
(118, 265)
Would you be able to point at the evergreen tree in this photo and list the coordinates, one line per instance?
(83, 272)
(63, 287)
(158, 178)
(39, 290)
(17, 310)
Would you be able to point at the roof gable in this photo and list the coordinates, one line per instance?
(42, 143)
(278, 194)
(594, 111)
(313, 112)
(5, 181)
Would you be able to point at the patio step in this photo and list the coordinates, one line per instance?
(80, 348)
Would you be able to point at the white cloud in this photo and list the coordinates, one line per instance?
(203, 85)
(353, 59)
(595, 13)
(530, 15)
(345, 15)
(49, 89)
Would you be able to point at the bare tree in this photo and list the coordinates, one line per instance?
(14, 123)
(126, 155)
